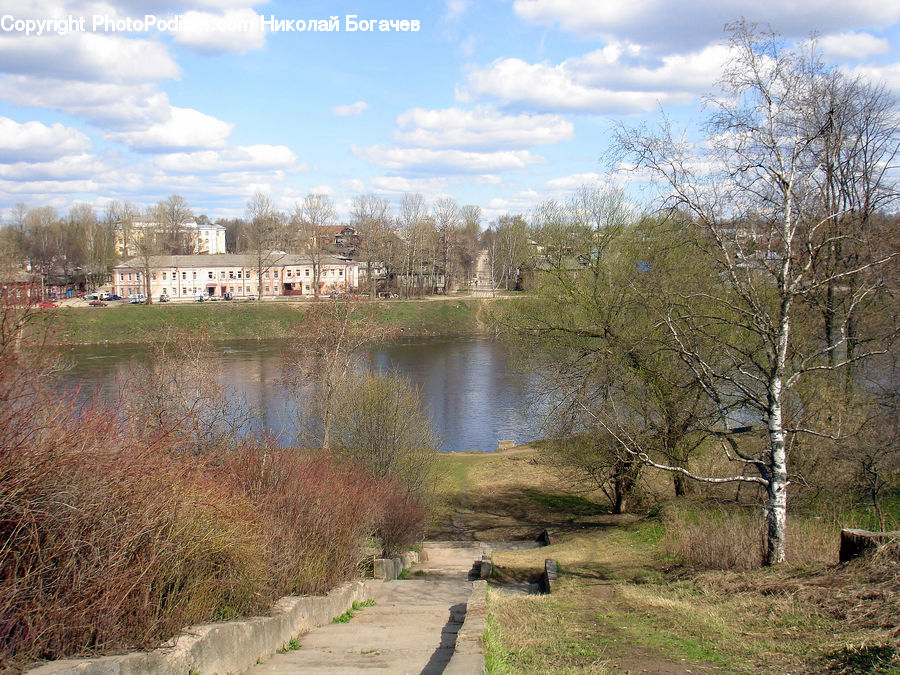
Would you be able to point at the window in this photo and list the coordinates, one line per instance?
(164, 276)
(307, 288)
(129, 276)
(231, 274)
(239, 274)
(211, 275)
(121, 276)
(231, 289)
(267, 289)
(153, 276)
(340, 273)
(184, 276)
(307, 272)
(289, 272)
(276, 274)
(195, 274)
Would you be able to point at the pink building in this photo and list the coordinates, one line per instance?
(182, 277)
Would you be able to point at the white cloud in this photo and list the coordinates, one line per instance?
(236, 158)
(350, 109)
(575, 181)
(455, 9)
(106, 105)
(608, 80)
(67, 168)
(34, 141)
(185, 128)
(439, 161)
(321, 190)
(87, 57)
(853, 46)
(482, 128)
(889, 74)
(354, 185)
(236, 30)
(401, 184)
(677, 26)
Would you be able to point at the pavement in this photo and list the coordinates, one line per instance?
(411, 628)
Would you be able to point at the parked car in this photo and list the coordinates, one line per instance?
(137, 298)
(113, 296)
(97, 303)
(91, 296)
(47, 304)
(201, 297)
(163, 297)
(226, 295)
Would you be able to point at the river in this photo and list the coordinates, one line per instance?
(469, 389)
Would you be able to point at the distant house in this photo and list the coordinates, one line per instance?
(198, 238)
(337, 236)
(181, 277)
(20, 287)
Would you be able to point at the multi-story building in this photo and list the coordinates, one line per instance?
(182, 277)
(194, 236)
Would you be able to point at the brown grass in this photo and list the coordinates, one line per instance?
(113, 537)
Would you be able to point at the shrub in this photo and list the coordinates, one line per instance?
(315, 511)
(110, 542)
(401, 524)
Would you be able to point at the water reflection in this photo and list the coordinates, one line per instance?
(473, 396)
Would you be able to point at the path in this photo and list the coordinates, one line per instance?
(411, 628)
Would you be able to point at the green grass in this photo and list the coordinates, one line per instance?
(355, 607)
(292, 646)
(123, 322)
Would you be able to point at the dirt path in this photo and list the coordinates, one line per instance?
(410, 629)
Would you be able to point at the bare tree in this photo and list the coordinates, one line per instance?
(371, 217)
(96, 248)
(171, 214)
(469, 240)
(334, 333)
(310, 216)
(755, 196)
(264, 236)
(447, 220)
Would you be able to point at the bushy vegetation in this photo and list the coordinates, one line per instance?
(117, 533)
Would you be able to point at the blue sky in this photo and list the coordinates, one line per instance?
(501, 104)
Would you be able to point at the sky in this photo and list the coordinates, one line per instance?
(498, 103)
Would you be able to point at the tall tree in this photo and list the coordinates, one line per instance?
(370, 215)
(469, 246)
(171, 215)
(755, 195)
(412, 218)
(263, 235)
(447, 219)
(310, 216)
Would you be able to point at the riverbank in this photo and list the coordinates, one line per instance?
(121, 322)
(625, 602)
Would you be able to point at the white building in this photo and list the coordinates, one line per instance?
(200, 238)
(181, 277)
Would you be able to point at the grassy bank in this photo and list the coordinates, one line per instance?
(123, 322)
(626, 601)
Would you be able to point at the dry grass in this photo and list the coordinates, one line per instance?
(644, 595)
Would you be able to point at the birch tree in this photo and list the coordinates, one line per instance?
(753, 190)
